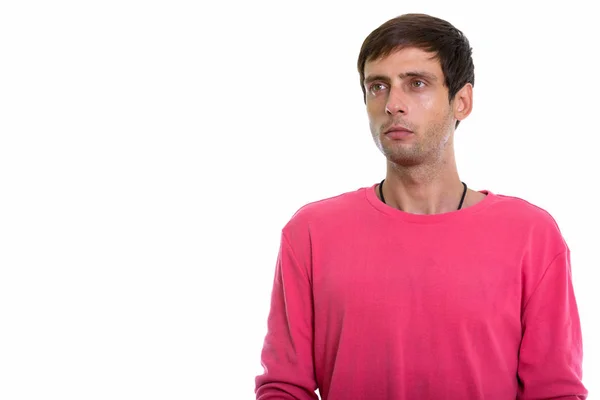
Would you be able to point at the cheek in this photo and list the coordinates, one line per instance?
(373, 108)
(373, 126)
(428, 103)
(374, 113)
(435, 108)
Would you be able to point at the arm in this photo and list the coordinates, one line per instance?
(550, 357)
(287, 354)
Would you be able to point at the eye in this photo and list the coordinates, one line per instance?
(376, 88)
(418, 84)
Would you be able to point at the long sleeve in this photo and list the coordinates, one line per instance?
(550, 357)
(287, 354)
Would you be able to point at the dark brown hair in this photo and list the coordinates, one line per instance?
(429, 34)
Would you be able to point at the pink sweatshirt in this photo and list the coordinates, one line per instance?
(373, 303)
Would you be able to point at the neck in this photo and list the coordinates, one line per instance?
(423, 189)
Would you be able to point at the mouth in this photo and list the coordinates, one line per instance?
(398, 133)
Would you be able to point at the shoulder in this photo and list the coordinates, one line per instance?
(529, 221)
(523, 210)
(327, 211)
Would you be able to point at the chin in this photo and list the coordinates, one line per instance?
(405, 162)
(403, 159)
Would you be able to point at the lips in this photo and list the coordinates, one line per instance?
(398, 132)
(398, 129)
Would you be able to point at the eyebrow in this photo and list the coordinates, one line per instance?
(404, 75)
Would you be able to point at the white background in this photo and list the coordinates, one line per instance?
(150, 153)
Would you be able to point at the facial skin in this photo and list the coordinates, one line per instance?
(407, 89)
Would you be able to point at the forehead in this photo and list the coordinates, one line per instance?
(403, 60)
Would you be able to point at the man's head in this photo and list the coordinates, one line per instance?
(416, 72)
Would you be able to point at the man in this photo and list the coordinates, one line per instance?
(418, 287)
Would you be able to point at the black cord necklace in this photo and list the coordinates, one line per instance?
(459, 206)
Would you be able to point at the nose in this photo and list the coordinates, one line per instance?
(395, 103)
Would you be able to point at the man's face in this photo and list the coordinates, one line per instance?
(406, 90)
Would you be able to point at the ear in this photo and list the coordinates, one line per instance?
(463, 102)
